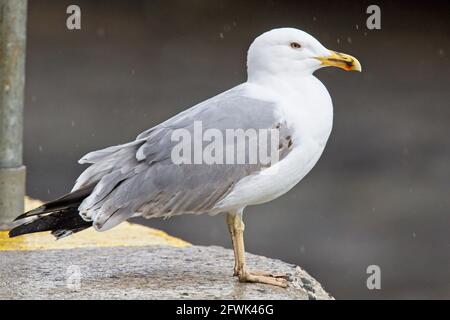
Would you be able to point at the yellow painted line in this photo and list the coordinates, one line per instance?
(124, 235)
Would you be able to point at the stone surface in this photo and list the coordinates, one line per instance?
(151, 272)
(133, 262)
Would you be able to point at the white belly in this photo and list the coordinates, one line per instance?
(311, 120)
(275, 181)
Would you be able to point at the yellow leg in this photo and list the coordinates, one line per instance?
(230, 224)
(237, 235)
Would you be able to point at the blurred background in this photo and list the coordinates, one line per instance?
(380, 193)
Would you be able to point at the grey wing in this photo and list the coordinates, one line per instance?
(141, 178)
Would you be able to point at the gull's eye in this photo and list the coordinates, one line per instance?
(295, 45)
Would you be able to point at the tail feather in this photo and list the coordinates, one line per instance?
(70, 200)
(60, 216)
(61, 223)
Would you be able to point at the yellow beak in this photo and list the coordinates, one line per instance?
(341, 60)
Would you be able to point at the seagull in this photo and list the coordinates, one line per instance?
(143, 178)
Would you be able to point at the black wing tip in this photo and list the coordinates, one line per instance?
(60, 216)
(15, 232)
(32, 226)
(61, 223)
(72, 199)
(30, 213)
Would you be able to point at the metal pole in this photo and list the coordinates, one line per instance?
(13, 16)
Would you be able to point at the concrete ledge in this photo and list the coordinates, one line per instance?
(134, 262)
(154, 272)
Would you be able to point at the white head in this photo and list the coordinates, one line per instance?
(292, 51)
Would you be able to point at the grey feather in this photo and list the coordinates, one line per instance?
(140, 178)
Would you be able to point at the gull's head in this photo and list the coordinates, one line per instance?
(295, 52)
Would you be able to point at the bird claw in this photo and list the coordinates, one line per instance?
(275, 279)
(277, 275)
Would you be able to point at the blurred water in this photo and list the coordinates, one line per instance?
(380, 193)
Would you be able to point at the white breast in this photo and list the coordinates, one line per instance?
(307, 109)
